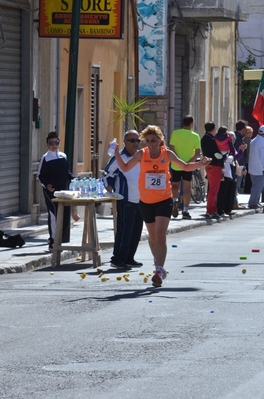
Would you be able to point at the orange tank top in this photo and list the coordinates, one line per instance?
(154, 177)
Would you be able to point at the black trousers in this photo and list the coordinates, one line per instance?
(248, 183)
(52, 208)
(129, 229)
(226, 195)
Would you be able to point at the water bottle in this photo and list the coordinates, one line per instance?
(90, 186)
(112, 148)
(72, 185)
(77, 185)
(100, 188)
(93, 187)
(84, 188)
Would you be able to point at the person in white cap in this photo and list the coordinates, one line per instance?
(256, 168)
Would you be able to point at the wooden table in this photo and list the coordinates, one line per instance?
(90, 242)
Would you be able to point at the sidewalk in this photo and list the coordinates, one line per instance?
(34, 253)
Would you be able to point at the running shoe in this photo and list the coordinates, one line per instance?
(186, 215)
(160, 275)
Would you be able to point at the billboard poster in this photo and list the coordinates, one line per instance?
(152, 22)
(99, 19)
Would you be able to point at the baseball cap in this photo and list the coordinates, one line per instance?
(261, 130)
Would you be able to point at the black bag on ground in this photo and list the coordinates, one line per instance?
(11, 241)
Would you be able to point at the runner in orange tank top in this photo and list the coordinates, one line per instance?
(155, 190)
(154, 177)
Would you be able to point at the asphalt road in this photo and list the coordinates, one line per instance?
(199, 336)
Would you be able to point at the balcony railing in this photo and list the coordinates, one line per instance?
(211, 10)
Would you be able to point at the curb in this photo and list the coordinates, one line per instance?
(26, 263)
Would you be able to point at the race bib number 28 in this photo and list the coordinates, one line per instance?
(156, 181)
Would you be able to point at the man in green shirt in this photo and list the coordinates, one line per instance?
(187, 145)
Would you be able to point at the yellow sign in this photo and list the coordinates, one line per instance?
(99, 19)
(253, 74)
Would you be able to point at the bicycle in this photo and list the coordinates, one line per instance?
(197, 187)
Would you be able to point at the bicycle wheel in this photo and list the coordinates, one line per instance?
(196, 189)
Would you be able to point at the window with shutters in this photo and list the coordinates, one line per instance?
(226, 97)
(94, 114)
(216, 95)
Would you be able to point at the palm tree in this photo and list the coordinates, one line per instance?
(128, 112)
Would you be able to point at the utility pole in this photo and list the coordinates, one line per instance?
(72, 82)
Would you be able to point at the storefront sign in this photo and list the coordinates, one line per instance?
(99, 18)
(152, 21)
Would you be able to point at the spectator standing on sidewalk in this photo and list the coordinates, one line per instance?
(247, 139)
(213, 171)
(240, 133)
(54, 175)
(155, 190)
(226, 193)
(256, 168)
(187, 145)
(129, 219)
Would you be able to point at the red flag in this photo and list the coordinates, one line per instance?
(258, 110)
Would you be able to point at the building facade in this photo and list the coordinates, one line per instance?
(105, 67)
(251, 36)
(33, 99)
(200, 60)
(181, 55)
(250, 42)
(16, 108)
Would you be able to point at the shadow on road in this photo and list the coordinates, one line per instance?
(215, 265)
(132, 294)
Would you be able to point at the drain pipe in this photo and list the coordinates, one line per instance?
(135, 26)
(171, 80)
(58, 64)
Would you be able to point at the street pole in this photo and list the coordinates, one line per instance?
(72, 82)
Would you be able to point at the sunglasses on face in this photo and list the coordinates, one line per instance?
(53, 143)
(133, 140)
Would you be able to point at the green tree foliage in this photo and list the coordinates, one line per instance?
(248, 87)
(128, 111)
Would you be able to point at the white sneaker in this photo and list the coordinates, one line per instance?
(160, 275)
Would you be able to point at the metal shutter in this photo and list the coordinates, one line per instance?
(9, 110)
